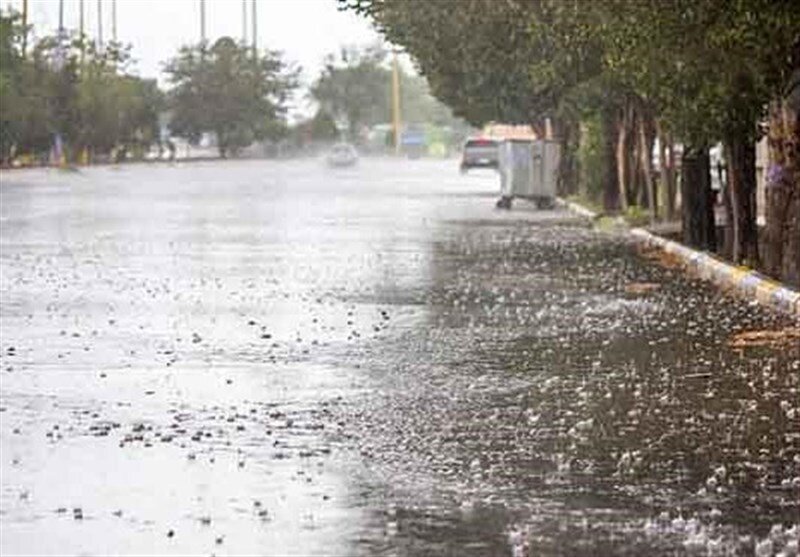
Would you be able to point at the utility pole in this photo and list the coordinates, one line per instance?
(203, 23)
(396, 103)
(62, 36)
(60, 18)
(255, 31)
(244, 22)
(24, 26)
(80, 32)
(100, 24)
(84, 156)
(58, 151)
(114, 20)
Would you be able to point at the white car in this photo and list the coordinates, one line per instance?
(342, 154)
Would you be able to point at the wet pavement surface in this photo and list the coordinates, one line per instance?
(279, 358)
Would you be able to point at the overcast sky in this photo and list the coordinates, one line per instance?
(305, 30)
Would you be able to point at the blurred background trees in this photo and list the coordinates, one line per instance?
(231, 91)
(67, 87)
(354, 91)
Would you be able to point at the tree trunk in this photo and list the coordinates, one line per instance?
(666, 158)
(646, 155)
(623, 174)
(782, 242)
(611, 198)
(222, 144)
(697, 208)
(569, 137)
(742, 186)
(727, 240)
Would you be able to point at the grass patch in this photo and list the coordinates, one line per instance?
(636, 216)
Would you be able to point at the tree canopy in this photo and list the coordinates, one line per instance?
(696, 72)
(225, 91)
(71, 87)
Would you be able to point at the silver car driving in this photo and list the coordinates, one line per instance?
(480, 153)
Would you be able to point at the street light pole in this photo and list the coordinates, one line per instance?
(62, 36)
(244, 22)
(255, 30)
(24, 26)
(80, 32)
(114, 20)
(396, 103)
(100, 24)
(203, 22)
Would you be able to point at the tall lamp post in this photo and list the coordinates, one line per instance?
(396, 123)
(24, 26)
(244, 22)
(203, 23)
(255, 30)
(100, 25)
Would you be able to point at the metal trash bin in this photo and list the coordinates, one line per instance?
(529, 170)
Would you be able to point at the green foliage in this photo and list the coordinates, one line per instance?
(85, 94)
(319, 129)
(323, 127)
(591, 159)
(707, 66)
(636, 216)
(418, 105)
(475, 54)
(24, 92)
(225, 91)
(354, 89)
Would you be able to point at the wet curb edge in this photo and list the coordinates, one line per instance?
(743, 281)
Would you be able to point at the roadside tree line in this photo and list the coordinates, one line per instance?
(86, 100)
(70, 98)
(619, 78)
(70, 88)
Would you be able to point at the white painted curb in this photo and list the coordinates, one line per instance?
(577, 209)
(742, 280)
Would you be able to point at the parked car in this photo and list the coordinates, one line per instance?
(342, 154)
(480, 153)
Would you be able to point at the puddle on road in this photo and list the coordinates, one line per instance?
(245, 468)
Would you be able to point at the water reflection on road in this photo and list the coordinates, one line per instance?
(274, 357)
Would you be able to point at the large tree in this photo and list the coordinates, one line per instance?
(25, 89)
(66, 86)
(474, 53)
(354, 89)
(224, 90)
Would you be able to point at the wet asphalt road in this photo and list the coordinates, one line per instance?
(279, 358)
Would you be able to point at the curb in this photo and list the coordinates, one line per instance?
(577, 209)
(744, 281)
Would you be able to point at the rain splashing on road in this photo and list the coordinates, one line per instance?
(272, 357)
